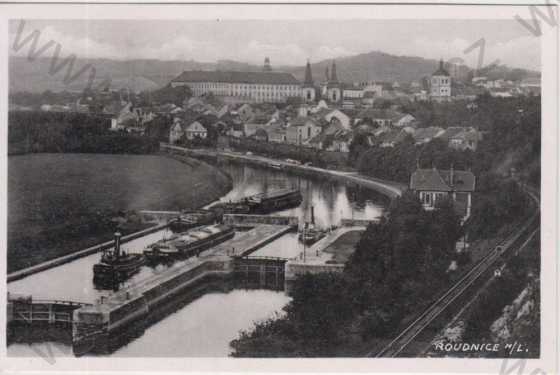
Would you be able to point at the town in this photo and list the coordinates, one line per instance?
(380, 217)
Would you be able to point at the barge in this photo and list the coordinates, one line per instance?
(188, 244)
(262, 203)
(190, 219)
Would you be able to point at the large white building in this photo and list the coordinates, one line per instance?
(266, 86)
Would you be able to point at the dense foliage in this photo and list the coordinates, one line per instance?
(32, 131)
(394, 270)
(320, 158)
(511, 139)
(167, 94)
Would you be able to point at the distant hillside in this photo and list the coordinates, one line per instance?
(377, 66)
(141, 75)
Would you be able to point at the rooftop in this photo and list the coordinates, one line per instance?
(237, 77)
(442, 180)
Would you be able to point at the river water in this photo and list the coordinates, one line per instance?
(200, 329)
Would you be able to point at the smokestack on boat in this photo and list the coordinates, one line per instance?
(117, 244)
(312, 216)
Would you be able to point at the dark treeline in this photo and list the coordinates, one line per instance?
(397, 266)
(319, 158)
(35, 131)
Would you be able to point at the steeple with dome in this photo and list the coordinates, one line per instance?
(334, 92)
(440, 83)
(308, 88)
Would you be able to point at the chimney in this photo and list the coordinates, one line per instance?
(451, 175)
(312, 215)
(117, 244)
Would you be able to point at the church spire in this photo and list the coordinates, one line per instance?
(334, 78)
(327, 76)
(308, 81)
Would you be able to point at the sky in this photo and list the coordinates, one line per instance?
(290, 42)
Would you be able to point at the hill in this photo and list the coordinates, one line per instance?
(142, 75)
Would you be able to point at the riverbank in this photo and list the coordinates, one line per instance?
(61, 203)
(391, 189)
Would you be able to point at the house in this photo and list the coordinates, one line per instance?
(403, 119)
(196, 130)
(176, 132)
(341, 117)
(461, 138)
(425, 135)
(320, 105)
(302, 129)
(467, 139)
(255, 123)
(392, 137)
(382, 117)
(432, 185)
(236, 130)
(341, 141)
(276, 133)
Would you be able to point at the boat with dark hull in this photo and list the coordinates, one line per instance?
(311, 235)
(262, 203)
(191, 219)
(116, 266)
(188, 244)
(274, 200)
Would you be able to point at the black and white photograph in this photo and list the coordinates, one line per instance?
(280, 182)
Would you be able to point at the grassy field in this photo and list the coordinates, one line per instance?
(60, 203)
(344, 246)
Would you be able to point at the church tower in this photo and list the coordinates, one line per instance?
(308, 88)
(266, 66)
(440, 84)
(334, 92)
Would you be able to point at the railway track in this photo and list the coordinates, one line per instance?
(527, 230)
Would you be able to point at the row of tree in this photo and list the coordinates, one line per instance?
(37, 131)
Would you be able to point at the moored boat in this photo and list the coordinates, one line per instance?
(188, 244)
(116, 266)
(311, 235)
(191, 219)
(274, 200)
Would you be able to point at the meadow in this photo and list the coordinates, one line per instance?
(61, 203)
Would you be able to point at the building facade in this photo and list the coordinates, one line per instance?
(433, 185)
(440, 83)
(265, 86)
(302, 130)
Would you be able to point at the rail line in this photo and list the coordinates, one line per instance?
(396, 346)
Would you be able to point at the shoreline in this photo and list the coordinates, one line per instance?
(390, 189)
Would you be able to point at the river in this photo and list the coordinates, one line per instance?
(205, 327)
